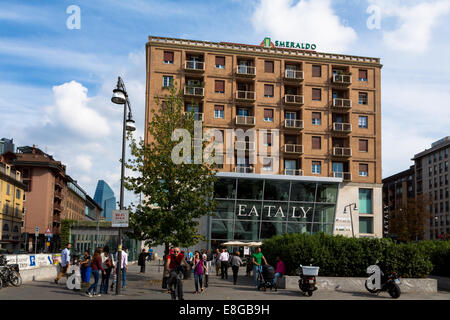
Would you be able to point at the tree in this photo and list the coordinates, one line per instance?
(174, 195)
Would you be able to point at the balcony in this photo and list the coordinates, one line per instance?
(194, 91)
(194, 66)
(242, 169)
(293, 124)
(293, 99)
(342, 127)
(295, 75)
(245, 145)
(342, 103)
(57, 207)
(57, 218)
(58, 194)
(293, 148)
(342, 152)
(293, 172)
(248, 96)
(246, 71)
(245, 120)
(346, 176)
(342, 79)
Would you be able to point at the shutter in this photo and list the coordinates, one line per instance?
(218, 108)
(316, 71)
(220, 61)
(268, 66)
(363, 167)
(363, 145)
(268, 90)
(268, 113)
(269, 138)
(362, 74)
(220, 85)
(316, 143)
(168, 56)
(316, 115)
(316, 94)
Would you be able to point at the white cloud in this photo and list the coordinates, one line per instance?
(84, 162)
(312, 21)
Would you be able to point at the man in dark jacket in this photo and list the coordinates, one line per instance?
(141, 260)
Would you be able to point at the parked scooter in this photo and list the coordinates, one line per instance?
(378, 281)
(307, 282)
(9, 273)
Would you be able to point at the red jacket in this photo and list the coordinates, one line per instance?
(97, 264)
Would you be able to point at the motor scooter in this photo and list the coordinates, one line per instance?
(378, 281)
(307, 282)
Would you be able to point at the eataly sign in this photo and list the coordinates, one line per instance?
(279, 212)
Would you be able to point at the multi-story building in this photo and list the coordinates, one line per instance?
(320, 111)
(432, 176)
(6, 145)
(104, 196)
(75, 204)
(93, 210)
(11, 204)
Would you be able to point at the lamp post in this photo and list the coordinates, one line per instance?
(120, 96)
(351, 215)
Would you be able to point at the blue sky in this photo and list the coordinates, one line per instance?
(56, 83)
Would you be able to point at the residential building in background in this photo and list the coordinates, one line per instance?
(93, 209)
(326, 109)
(104, 196)
(75, 206)
(6, 145)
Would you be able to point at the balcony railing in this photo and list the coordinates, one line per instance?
(10, 172)
(293, 124)
(58, 194)
(246, 70)
(342, 127)
(197, 115)
(194, 91)
(293, 74)
(346, 176)
(57, 218)
(57, 206)
(342, 79)
(293, 148)
(245, 145)
(293, 172)
(342, 103)
(293, 99)
(245, 95)
(245, 120)
(242, 169)
(342, 152)
(194, 65)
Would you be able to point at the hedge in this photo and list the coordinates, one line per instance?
(339, 256)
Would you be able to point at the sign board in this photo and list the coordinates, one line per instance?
(30, 261)
(36, 231)
(48, 232)
(267, 43)
(246, 251)
(120, 218)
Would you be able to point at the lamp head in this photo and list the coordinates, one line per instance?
(130, 126)
(355, 208)
(118, 97)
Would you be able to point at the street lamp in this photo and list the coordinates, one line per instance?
(120, 96)
(351, 214)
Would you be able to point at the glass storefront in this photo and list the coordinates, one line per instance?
(253, 209)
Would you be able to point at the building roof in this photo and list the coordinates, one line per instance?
(435, 146)
(399, 175)
(35, 157)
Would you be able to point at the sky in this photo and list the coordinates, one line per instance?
(59, 62)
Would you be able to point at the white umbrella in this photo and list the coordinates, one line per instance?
(254, 244)
(233, 243)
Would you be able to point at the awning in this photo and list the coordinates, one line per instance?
(242, 244)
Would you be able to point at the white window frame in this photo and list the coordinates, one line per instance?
(366, 122)
(164, 81)
(315, 166)
(219, 114)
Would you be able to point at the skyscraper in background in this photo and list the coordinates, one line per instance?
(6, 145)
(104, 196)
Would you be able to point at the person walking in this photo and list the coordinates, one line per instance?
(141, 260)
(123, 267)
(224, 258)
(96, 265)
(280, 270)
(199, 266)
(108, 266)
(257, 259)
(236, 262)
(85, 267)
(207, 259)
(217, 262)
(65, 262)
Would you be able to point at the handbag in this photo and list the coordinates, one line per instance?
(108, 262)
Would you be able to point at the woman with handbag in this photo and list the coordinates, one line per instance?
(199, 267)
(108, 265)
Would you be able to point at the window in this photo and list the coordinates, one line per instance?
(316, 118)
(315, 167)
(219, 86)
(268, 66)
(363, 145)
(362, 122)
(220, 62)
(8, 189)
(365, 225)
(316, 143)
(268, 115)
(168, 57)
(167, 81)
(267, 164)
(268, 90)
(316, 94)
(18, 194)
(268, 139)
(317, 71)
(362, 98)
(365, 201)
(218, 112)
(6, 227)
(362, 75)
(363, 169)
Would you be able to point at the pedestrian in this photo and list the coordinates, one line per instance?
(108, 266)
(96, 265)
(85, 267)
(280, 270)
(123, 267)
(207, 266)
(176, 265)
(217, 262)
(257, 258)
(236, 262)
(141, 260)
(224, 258)
(199, 266)
(190, 257)
(65, 262)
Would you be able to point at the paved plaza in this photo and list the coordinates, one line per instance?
(148, 286)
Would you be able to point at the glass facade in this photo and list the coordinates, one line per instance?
(253, 209)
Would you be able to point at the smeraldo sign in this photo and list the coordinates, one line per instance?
(287, 44)
(296, 212)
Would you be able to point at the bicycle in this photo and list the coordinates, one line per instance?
(175, 284)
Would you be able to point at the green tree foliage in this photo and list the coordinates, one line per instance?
(174, 196)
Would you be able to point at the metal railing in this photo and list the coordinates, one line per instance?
(245, 120)
(293, 172)
(242, 169)
(194, 91)
(342, 78)
(197, 115)
(292, 98)
(245, 95)
(342, 103)
(293, 123)
(342, 151)
(293, 74)
(293, 148)
(342, 127)
(194, 65)
(246, 70)
(346, 176)
(245, 145)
